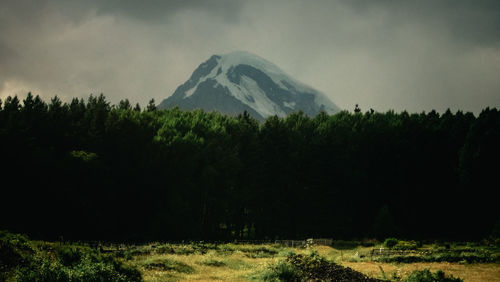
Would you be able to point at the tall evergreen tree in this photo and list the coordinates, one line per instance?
(124, 105)
(151, 106)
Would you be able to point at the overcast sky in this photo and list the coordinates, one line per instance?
(413, 55)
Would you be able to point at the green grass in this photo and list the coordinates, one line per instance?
(166, 264)
(24, 260)
(213, 262)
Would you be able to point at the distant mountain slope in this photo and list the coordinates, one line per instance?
(239, 81)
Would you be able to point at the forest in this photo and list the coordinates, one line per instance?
(90, 170)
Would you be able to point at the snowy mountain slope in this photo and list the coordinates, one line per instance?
(239, 81)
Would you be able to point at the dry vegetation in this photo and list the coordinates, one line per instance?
(24, 260)
(233, 262)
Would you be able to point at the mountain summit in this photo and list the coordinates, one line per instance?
(239, 81)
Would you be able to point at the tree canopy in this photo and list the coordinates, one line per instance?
(92, 170)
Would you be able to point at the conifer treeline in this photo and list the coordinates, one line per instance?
(90, 170)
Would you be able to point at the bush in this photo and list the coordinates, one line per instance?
(282, 271)
(168, 265)
(15, 251)
(369, 243)
(184, 249)
(68, 256)
(23, 260)
(406, 245)
(476, 257)
(213, 262)
(260, 252)
(427, 276)
(165, 249)
(42, 268)
(390, 242)
(312, 267)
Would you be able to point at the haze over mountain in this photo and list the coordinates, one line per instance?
(241, 81)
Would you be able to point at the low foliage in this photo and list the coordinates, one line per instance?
(166, 264)
(213, 262)
(23, 260)
(406, 245)
(427, 276)
(260, 252)
(311, 267)
(390, 242)
(466, 257)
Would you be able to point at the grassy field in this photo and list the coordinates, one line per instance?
(235, 262)
(24, 260)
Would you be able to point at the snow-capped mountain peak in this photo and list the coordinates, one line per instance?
(239, 81)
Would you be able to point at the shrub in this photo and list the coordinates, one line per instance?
(427, 276)
(184, 249)
(282, 271)
(42, 268)
(476, 257)
(259, 252)
(23, 260)
(390, 242)
(9, 256)
(165, 249)
(83, 155)
(202, 248)
(16, 240)
(127, 255)
(213, 262)
(406, 245)
(15, 251)
(311, 267)
(168, 265)
(369, 243)
(225, 249)
(68, 256)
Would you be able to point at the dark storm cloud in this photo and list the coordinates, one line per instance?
(37, 49)
(414, 55)
(157, 10)
(476, 22)
(30, 12)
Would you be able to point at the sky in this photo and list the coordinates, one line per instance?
(381, 54)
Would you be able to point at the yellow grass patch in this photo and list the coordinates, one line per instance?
(230, 267)
(468, 272)
(239, 264)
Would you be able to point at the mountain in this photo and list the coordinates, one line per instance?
(241, 81)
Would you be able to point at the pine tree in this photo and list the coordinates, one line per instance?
(124, 105)
(357, 109)
(151, 106)
(137, 108)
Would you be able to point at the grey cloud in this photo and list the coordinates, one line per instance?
(30, 12)
(414, 55)
(157, 10)
(475, 22)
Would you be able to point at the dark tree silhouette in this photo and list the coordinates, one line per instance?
(151, 106)
(89, 170)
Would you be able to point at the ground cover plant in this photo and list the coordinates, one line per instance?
(25, 260)
(427, 276)
(311, 267)
(400, 251)
(22, 259)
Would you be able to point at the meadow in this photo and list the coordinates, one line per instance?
(87, 173)
(22, 259)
